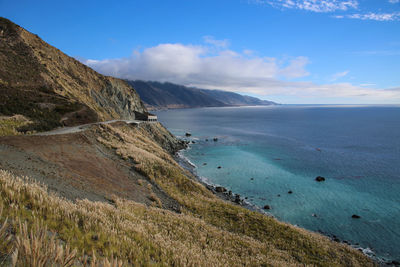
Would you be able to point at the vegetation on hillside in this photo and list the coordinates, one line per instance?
(13, 125)
(39, 225)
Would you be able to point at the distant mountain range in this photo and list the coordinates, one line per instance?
(168, 95)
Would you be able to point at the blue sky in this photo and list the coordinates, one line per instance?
(289, 51)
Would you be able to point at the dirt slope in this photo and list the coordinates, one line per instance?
(78, 166)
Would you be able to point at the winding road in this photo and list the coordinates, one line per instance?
(80, 128)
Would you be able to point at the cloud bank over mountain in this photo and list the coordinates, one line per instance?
(213, 65)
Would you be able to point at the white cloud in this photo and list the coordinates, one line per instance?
(339, 75)
(187, 63)
(394, 1)
(208, 67)
(312, 5)
(375, 16)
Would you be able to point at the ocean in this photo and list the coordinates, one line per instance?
(265, 152)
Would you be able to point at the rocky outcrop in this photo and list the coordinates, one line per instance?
(163, 137)
(117, 97)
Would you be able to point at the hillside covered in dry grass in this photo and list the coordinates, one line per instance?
(203, 231)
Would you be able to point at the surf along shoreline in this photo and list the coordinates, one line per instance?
(227, 195)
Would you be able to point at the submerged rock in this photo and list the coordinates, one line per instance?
(355, 216)
(204, 164)
(320, 179)
(219, 167)
(396, 263)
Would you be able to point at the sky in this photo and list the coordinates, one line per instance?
(287, 51)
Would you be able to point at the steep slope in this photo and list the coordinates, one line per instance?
(52, 89)
(169, 95)
(193, 228)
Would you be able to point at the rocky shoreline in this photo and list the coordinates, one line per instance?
(235, 198)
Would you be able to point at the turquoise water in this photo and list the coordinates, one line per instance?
(265, 152)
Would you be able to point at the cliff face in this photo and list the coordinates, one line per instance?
(40, 82)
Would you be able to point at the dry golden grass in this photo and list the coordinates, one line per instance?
(9, 124)
(208, 232)
(290, 243)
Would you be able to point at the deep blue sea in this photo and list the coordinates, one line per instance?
(265, 152)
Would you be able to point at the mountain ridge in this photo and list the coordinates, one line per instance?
(158, 95)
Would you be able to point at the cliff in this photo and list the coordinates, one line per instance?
(169, 95)
(52, 89)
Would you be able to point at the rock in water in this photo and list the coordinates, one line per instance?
(290, 192)
(320, 179)
(188, 134)
(267, 207)
(355, 216)
(215, 139)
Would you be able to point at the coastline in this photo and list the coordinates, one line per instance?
(227, 195)
(230, 196)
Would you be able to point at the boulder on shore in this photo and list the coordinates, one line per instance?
(320, 179)
(220, 189)
(237, 199)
